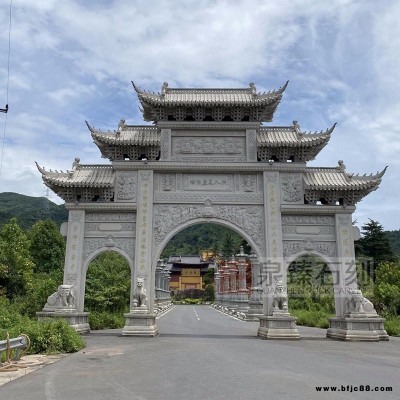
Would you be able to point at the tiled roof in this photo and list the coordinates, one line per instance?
(209, 97)
(81, 176)
(129, 135)
(290, 136)
(338, 179)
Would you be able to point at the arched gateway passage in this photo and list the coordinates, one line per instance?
(209, 157)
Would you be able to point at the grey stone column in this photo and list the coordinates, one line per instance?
(232, 265)
(243, 293)
(226, 284)
(356, 318)
(255, 301)
(144, 223)
(73, 267)
(73, 277)
(273, 267)
(216, 284)
(141, 321)
(158, 280)
(274, 324)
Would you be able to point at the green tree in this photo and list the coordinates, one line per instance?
(228, 246)
(16, 265)
(47, 246)
(375, 245)
(108, 283)
(387, 286)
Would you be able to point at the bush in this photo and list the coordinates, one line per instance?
(50, 336)
(192, 301)
(106, 320)
(317, 319)
(189, 293)
(392, 326)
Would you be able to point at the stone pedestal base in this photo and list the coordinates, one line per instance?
(255, 311)
(357, 329)
(140, 324)
(278, 327)
(79, 321)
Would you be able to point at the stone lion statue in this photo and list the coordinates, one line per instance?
(64, 298)
(139, 298)
(358, 304)
(280, 298)
(354, 301)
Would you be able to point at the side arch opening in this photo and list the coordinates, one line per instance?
(312, 284)
(107, 288)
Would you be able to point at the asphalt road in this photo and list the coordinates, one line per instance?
(204, 354)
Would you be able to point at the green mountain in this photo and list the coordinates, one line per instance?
(29, 210)
(191, 240)
(394, 240)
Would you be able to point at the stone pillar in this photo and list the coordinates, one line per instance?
(168, 286)
(158, 281)
(243, 293)
(141, 320)
(356, 318)
(165, 144)
(232, 267)
(255, 301)
(226, 279)
(274, 324)
(68, 301)
(216, 284)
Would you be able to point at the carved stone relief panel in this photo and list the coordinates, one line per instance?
(110, 217)
(251, 145)
(300, 226)
(110, 242)
(248, 183)
(310, 233)
(292, 188)
(225, 188)
(120, 224)
(126, 186)
(248, 218)
(295, 246)
(208, 182)
(165, 144)
(201, 197)
(167, 182)
(209, 146)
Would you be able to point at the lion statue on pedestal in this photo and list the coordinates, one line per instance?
(139, 298)
(280, 298)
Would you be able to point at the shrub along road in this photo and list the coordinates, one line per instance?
(204, 354)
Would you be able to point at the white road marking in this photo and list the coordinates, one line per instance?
(195, 312)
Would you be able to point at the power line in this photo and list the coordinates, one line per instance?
(5, 110)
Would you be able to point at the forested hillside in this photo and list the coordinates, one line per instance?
(394, 240)
(29, 210)
(204, 237)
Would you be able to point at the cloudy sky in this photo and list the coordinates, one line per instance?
(73, 61)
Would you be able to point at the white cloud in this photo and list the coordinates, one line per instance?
(73, 60)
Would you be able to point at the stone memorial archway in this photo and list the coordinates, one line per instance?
(209, 158)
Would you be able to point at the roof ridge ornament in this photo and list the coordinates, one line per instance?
(76, 164)
(296, 127)
(121, 126)
(164, 89)
(380, 174)
(253, 89)
(341, 166)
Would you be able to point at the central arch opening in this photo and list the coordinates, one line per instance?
(203, 264)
